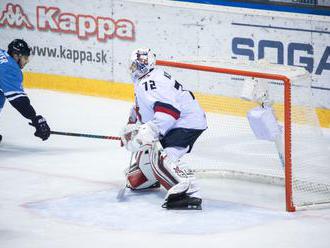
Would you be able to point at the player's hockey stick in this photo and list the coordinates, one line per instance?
(93, 136)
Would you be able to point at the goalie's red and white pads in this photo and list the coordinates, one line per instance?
(171, 172)
(140, 174)
(154, 167)
(135, 137)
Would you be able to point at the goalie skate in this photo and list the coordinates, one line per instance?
(183, 202)
(178, 198)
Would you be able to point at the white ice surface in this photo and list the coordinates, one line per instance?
(62, 192)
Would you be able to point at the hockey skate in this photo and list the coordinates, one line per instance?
(0, 138)
(178, 198)
(184, 202)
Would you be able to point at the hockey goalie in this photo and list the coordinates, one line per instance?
(164, 124)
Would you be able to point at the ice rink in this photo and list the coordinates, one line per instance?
(62, 192)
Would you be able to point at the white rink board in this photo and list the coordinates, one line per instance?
(174, 30)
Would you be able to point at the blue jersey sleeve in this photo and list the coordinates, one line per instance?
(11, 76)
(11, 87)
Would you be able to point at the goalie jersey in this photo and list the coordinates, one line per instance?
(163, 100)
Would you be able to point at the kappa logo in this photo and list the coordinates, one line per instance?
(84, 26)
(14, 17)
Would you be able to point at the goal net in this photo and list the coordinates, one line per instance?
(297, 159)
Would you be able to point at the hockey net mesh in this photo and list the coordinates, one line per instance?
(228, 148)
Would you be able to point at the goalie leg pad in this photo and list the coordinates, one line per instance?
(169, 172)
(177, 179)
(136, 177)
(163, 175)
(140, 174)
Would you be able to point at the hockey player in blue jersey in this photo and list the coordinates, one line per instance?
(11, 88)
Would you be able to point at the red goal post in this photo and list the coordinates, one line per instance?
(288, 177)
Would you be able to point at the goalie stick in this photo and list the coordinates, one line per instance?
(122, 191)
(93, 136)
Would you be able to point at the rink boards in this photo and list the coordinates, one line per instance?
(124, 91)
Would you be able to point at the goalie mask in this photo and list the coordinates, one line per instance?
(142, 61)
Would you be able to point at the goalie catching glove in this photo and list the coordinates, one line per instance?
(135, 136)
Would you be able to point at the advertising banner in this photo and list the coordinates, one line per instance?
(94, 40)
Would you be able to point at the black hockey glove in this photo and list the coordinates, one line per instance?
(42, 128)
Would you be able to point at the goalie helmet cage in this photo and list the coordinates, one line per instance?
(305, 172)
